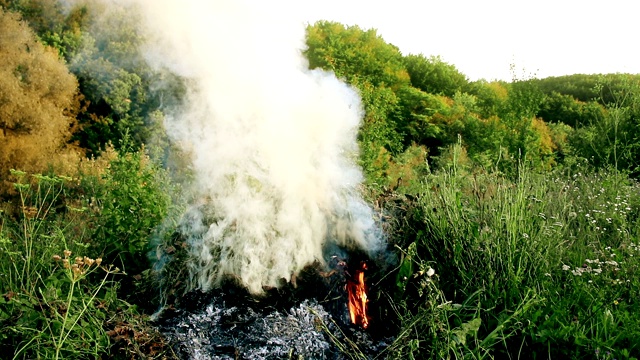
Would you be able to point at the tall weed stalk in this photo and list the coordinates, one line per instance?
(52, 306)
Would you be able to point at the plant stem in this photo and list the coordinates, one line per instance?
(66, 315)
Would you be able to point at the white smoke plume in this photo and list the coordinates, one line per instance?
(273, 143)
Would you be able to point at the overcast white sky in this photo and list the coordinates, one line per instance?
(483, 37)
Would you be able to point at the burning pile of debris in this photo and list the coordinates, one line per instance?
(323, 315)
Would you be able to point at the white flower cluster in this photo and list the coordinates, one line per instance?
(594, 267)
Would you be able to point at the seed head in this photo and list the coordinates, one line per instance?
(88, 261)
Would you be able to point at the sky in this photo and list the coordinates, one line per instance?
(482, 38)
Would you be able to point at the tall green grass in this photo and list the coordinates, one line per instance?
(540, 266)
(49, 308)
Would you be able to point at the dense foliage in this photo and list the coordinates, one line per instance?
(37, 102)
(513, 206)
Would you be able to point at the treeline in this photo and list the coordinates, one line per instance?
(417, 107)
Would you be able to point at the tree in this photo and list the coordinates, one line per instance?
(434, 76)
(124, 95)
(53, 25)
(422, 117)
(352, 53)
(490, 96)
(557, 107)
(36, 100)
(518, 114)
(614, 138)
(375, 69)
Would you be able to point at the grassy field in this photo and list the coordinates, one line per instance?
(540, 266)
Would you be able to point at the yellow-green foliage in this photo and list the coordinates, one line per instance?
(544, 143)
(36, 103)
(354, 53)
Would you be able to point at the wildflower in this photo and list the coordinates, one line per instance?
(615, 302)
(56, 257)
(98, 261)
(576, 272)
(67, 253)
(431, 272)
(597, 271)
(566, 267)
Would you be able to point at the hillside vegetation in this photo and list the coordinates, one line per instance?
(521, 195)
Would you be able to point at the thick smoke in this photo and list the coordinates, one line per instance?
(273, 144)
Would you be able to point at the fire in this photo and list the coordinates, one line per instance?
(357, 291)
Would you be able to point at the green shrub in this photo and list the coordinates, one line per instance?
(132, 200)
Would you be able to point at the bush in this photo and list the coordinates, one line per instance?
(132, 199)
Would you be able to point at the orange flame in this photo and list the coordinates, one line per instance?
(357, 291)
